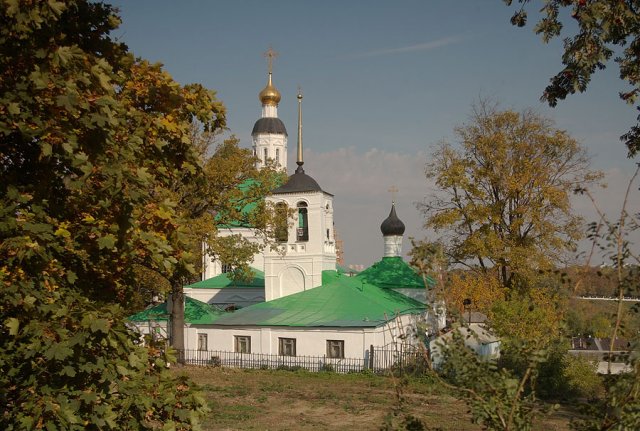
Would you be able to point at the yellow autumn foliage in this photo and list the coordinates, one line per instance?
(503, 193)
(483, 289)
(535, 318)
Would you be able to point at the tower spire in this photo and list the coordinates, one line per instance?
(300, 160)
(270, 96)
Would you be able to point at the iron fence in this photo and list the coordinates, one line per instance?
(375, 360)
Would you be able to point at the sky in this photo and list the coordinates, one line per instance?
(383, 82)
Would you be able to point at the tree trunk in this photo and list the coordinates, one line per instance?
(177, 321)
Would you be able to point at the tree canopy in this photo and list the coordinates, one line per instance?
(604, 28)
(502, 194)
(98, 174)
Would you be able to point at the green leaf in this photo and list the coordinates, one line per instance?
(13, 325)
(122, 370)
(144, 174)
(68, 371)
(58, 352)
(46, 150)
(62, 232)
(107, 241)
(13, 108)
(101, 325)
(56, 6)
(71, 277)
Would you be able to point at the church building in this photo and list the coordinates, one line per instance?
(298, 303)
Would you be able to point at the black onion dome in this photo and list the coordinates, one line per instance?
(299, 182)
(269, 125)
(392, 225)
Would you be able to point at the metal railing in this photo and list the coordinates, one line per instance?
(375, 360)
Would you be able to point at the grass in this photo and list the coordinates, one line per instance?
(286, 400)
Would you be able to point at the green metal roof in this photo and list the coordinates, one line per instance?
(394, 272)
(223, 281)
(342, 302)
(194, 312)
(246, 209)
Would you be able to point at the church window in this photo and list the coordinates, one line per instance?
(242, 344)
(287, 346)
(281, 224)
(328, 234)
(303, 222)
(277, 156)
(265, 156)
(335, 348)
(225, 267)
(202, 342)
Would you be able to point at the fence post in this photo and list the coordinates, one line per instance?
(371, 357)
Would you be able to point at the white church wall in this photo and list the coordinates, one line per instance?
(275, 146)
(309, 341)
(308, 258)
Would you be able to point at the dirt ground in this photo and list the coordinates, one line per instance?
(286, 400)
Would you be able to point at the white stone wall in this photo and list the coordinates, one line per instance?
(270, 142)
(297, 265)
(309, 341)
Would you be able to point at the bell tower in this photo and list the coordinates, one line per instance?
(306, 246)
(269, 134)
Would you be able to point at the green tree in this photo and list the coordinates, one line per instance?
(602, 28)
(497, 398)
(230, 192)
(502, 195)
(93, 146)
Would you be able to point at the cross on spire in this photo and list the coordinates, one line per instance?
(270, 55)
(393, 190)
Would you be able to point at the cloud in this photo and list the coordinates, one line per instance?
(426, 46)
(360, 182)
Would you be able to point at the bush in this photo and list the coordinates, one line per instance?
(215, 361)
(582, 377)
(327, 368)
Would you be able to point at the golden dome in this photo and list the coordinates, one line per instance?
(270, 94)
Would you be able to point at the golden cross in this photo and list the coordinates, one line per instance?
(270, 55)
(393, 190)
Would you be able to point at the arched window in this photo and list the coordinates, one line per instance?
(303, 222)
(264, 160)
(281, 225)
(277, 156)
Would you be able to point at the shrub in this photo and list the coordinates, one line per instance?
(582, 377)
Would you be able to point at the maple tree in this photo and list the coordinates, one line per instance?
(483, 289)
(99, 176)
(502, 194)
(229, 192)
(603, 28)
